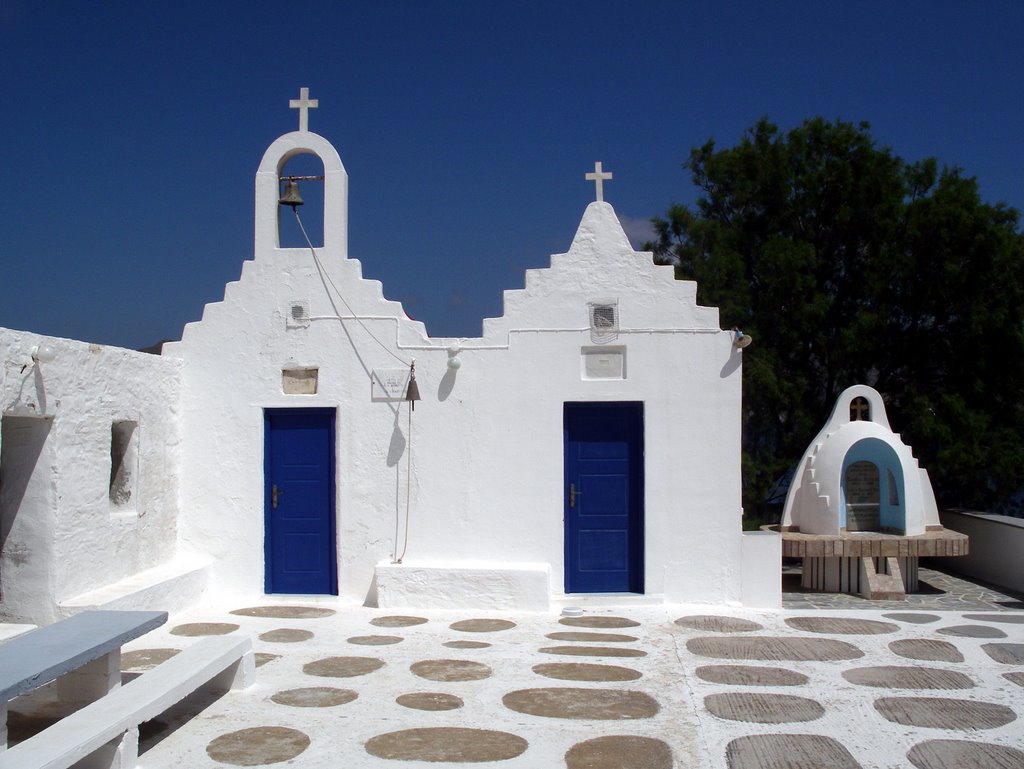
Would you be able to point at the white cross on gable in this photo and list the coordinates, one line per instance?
(303, 104)
(598, 177)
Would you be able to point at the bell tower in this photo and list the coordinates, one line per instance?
(268, 185)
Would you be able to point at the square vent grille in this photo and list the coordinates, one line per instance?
(297, 315)
(604, 321)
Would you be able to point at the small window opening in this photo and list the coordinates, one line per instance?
(860, 410)
(124, 465)
(604, 321)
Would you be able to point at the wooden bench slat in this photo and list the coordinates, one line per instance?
(141, 699)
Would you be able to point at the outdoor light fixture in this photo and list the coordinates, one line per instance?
(43, 353)
(453, 357)
(740, 339)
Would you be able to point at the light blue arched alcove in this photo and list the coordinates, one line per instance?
(891, 487)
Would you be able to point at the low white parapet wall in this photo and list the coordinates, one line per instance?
(463, 585)
(761, 584)
(997, 542)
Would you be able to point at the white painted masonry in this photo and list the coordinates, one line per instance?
(484, 447)
(62, 536)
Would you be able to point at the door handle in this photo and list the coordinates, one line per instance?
(573, 494)
(273, 496)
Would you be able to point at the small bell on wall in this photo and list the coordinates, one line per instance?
(412, 391)
(291, 196)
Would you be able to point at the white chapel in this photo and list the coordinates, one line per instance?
(306, 437)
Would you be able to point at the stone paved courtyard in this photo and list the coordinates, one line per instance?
(629, 685)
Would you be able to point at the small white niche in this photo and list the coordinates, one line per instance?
(124, 466)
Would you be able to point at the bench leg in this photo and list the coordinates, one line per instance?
(122, 753)
(92, 681)
(239, 675)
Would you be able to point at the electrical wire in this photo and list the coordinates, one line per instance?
(408, 448)
(327, 275)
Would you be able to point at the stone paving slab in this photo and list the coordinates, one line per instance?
(773, 691)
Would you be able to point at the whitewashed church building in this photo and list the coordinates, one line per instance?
(587, 443)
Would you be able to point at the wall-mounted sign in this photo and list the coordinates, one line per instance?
(388, 384)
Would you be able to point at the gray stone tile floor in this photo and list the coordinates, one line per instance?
(934, 682)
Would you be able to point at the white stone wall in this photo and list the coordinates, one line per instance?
(486, 442)
(64, 537)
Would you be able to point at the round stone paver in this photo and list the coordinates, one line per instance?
(912, 617)
(788, 751)
(450, 670)
(972, 631)
(262, 658)
(482, 625)
(926, 649)
(1007, 654)
(750, 675)
(1009, 618)
(955, 754)
(466, 644)
(596, 704)
(594, 651)
(598, 622)
(429, 701)
(773, 648)
(259, 745)
(145, 659)
(608, 638)
(713, 623)
(1017, 678)
(286, 635)
(375, 640)
(895, 677)
(285, 612)
(585, 671)
(619, 752)
(841, 625)
(446, 744)
(762, 708)
(944, 713)
(342, 667)
(204, 628)
(314, 697)
(397, 621)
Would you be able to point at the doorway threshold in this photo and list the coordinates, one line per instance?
(605, 600)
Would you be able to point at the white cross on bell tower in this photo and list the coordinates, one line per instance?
(303, 104)
(598, 177)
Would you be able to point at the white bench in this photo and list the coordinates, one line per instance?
(107, 730)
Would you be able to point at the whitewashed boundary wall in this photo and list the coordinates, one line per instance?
(69, 525)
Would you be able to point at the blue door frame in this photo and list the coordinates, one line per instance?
(604, 497)
(300, 555)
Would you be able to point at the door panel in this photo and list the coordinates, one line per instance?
(603, 497)
(300, 553)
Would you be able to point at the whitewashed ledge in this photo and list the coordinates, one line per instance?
(463, 585)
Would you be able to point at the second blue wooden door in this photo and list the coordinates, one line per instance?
(603, 497)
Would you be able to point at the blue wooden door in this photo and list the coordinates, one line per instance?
(603, 497)
(300, 554)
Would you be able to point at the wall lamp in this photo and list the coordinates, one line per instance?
(741, 340)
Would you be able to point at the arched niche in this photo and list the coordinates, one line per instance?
(873, 488)
(335, 193)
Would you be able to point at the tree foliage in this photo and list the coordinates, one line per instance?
(849, 265)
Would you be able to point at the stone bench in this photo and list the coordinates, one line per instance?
(106, 731)
(82, 653)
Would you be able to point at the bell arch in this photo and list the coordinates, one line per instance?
(335, 192)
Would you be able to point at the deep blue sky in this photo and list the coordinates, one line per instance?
(131, 131)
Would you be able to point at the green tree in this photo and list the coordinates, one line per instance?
(849, 265)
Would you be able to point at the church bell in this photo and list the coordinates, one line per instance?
(412, 391)
(291, 196)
